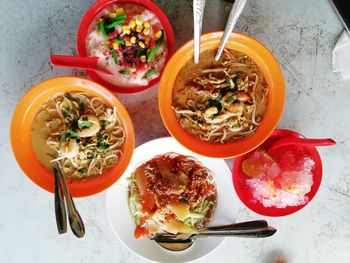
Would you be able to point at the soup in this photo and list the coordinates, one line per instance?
(171, 193)
(220, 101)
(80, 131)
(130, 43)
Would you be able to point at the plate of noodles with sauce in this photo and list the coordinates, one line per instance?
(222, 108)
(78, 124)
(167, 188)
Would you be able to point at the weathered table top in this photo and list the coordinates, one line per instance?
(301, 34)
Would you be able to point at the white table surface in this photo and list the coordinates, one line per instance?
(300, 33)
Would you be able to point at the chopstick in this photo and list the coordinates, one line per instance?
(198, 10)
(236, 11)
(60, 208)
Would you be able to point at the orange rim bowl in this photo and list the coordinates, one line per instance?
(21, 143)
(276, 96)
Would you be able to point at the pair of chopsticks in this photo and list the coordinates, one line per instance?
(61, 201)
(198, 10)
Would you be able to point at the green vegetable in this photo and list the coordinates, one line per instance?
(114, 56)
(102, 29)
(84, 123)
(124, 72)
(81, 106)
(150, 73)
(134, 206)
(230, 82)
(230, 99)
(238, 75)
(196, 215)
(140, 52)
(119, 41)
(82, 170)
(115, 23)
(156, 48)
(120, 17)
(67, 112)
(106, 47)
(103, 123)
(100, 142)
(70, 135)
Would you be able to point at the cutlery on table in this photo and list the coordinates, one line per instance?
(86, 63)
(302, 142)
(75, 221)
(236, 11)
(182, 241)
(60, 209)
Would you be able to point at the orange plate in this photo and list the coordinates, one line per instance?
(21, 135)
(273, 76)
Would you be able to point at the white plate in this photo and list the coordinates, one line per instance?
(123, 225)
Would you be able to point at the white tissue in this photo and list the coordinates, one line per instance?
(341, 56)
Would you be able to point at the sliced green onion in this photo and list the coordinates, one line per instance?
(124, 72)
(156, 48)
(119, 41)
(150, 73)
(106, 47)
(120, 17)
(102, 29)
(115, 23)
(114, 56)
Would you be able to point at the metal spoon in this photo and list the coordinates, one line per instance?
(179, 242)
(236, 11)
(198, 10)
(60, 209)
(75, 221)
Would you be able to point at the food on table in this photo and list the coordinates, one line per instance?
(171, 193)
(130, 42)
(281, 184)
(80, 131)
(221, 101)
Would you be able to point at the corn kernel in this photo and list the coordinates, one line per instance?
(133, 70)
(115, 45)
(126, 30)
(127, 43)
(146, 31)
(141, 44)
(133, 40)
(147, 39)
(112, 15)
(132, 23)
(158, 34)
(146, 24)
(139, 21)
(139, 28)
(143, 58)
(119, 11)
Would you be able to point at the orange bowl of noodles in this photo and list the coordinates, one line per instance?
(93, 139)
(222, 109)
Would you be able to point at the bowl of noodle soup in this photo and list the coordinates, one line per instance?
(80, 125)
(224, 108)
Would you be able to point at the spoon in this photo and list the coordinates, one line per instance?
(75, 221)
(60, 209)
(87, 63)
(236, 11)
(198, 10)
(181, 241)
(288, 140)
